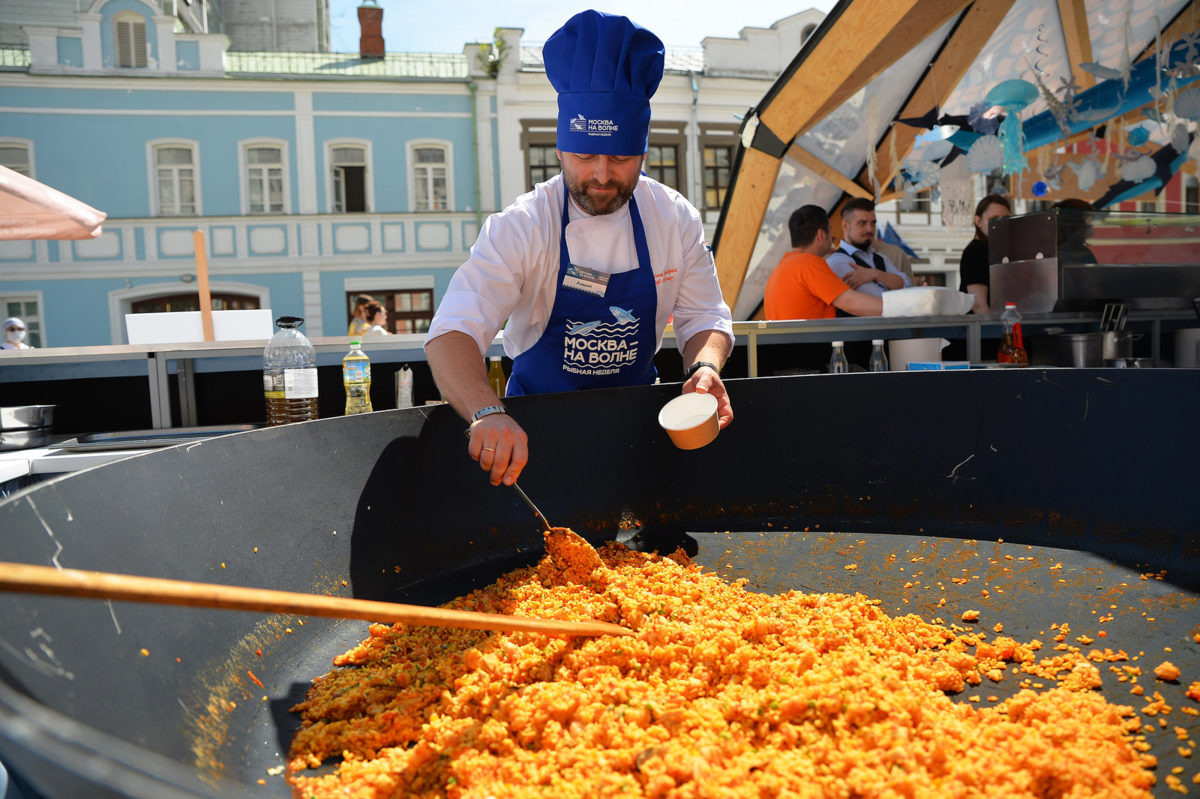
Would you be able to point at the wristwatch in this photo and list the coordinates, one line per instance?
(691, 370)
(488, 411)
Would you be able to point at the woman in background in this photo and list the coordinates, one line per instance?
(376, 317)
(973, 266)
(358, 322)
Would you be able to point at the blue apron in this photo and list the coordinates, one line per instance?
(602, 328)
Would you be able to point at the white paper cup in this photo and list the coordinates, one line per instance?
(690, 420)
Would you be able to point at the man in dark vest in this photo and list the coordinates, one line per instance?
(855, 261)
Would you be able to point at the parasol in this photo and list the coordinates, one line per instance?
(32, 210)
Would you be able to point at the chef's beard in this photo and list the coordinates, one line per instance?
(599, 206)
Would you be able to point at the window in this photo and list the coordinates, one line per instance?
(191, 302)
(430, 178)
(1148, 206)
(130, 29)
(27, 309)
(662, 164)
(348, 164)
(716, 175)
(543, 163)
(175, 179)
(409, 310)
(264, 179)
(1191, 194)
(15, 156)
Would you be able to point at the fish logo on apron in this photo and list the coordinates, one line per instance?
(601, 347)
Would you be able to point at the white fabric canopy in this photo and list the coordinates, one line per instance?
(32, 210)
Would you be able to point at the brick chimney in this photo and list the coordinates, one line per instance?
(370, 19)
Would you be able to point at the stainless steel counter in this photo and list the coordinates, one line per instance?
(185, 360)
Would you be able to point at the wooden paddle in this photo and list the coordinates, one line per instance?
(24, 578)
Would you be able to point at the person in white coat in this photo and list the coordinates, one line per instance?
(584, 272)
(14, 335)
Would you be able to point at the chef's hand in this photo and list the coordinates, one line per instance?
(500, 446)
(707, 381)
(860, 276)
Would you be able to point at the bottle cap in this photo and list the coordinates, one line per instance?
(1010, 305)
(355, 343)
(838, 343)
(493, 358)
(877, 342)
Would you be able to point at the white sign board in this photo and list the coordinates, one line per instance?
(184, 327)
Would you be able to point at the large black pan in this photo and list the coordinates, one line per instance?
(906, 478)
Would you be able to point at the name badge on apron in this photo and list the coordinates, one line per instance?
(589, 281)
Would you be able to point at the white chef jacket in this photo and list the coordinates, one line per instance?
(842, 264)
(512, 272)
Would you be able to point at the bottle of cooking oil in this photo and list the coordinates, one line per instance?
(356, 376)
(496, 375)
(290, 374)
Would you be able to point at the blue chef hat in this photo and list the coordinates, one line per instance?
(605, 70)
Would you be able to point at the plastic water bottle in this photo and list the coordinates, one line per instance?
(879, 361)
(290, 374)
(496, 375)
(838, 363)
(1012, 344)
(356, 377)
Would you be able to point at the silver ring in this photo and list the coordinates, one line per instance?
(489, 449)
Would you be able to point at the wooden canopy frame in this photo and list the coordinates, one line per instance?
(857, 42)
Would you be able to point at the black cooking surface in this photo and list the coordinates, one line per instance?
(924, 474)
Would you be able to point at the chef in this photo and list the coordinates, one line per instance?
(585, 271)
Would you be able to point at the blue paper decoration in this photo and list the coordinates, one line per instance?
(1039, 189)
(1012, 96)
(1139, 136)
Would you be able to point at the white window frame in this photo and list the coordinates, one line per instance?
(27, 146)
(137, 22)
(448, 149)
(152, 175)
(368, 175)
(39, 319)
(245, 167)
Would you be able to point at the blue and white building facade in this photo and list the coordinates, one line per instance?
(311, 176)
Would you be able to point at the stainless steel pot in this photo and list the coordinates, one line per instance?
(1082, 350)
(1079, 350)
(25, 426)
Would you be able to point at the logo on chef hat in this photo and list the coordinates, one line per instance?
(605, 69)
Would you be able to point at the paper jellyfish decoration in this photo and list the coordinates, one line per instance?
(985, 155)
(1087, 172)
(1012, 96)
(1139, 136)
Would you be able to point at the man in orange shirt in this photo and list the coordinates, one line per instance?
(802, 285)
